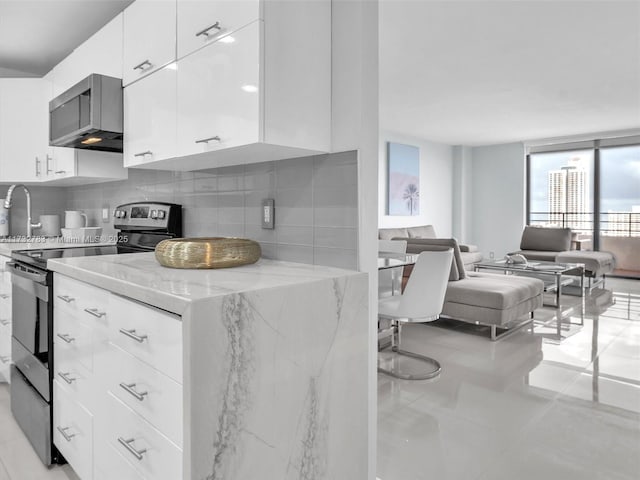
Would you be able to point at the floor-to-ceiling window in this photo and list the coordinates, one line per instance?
(594, 189)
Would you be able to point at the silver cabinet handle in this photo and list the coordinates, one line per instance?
(66, 337)
(4, 322)
(37, 167)
(142, 154)
(63, 432)
(95, 312)
(49, 170)
(59, 172)
(141, 66)
(66, 298)
(132, 334)
(65, 376)
(207, 140)
(4, 359)
(205, 32)
(129, 388)
(4, 296)
(127, 444)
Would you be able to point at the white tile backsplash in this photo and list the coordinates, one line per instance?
(315, 204)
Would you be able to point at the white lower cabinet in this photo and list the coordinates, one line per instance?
(5, 320)
(73, 431)
(118, 366)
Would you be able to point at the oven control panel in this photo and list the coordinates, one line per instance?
(148, 216)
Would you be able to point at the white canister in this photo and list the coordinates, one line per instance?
(50, 226)
(4, 220)
(74, 219)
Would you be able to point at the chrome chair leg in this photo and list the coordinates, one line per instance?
(395, 347)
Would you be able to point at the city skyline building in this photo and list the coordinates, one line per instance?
(568, 196)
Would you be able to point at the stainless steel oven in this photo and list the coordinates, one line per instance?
(32, 351)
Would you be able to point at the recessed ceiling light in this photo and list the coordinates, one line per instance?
(227, 39)
(250, 88)
(91, 140)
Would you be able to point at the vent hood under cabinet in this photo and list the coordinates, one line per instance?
(89, 115)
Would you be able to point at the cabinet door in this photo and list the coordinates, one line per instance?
(150, 118)
(219, 94)
(149, 37)
(23, 129)
(200, 22)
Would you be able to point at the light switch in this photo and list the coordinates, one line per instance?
(105, 215)
(267, 213)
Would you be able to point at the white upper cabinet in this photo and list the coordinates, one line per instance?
(201, 22)
(150, 118)
(23, 130)
(252, 93)
(149, 38)
(218, 94)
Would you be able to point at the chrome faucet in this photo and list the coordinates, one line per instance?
(7, 205)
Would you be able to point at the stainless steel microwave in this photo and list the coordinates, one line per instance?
(89, 115)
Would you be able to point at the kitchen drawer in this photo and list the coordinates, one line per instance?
(76, 379)
(73, 432)
(152, 335)
(73, 339)
(111, 465)
(74, 297)
(150, 452)
(149, 393)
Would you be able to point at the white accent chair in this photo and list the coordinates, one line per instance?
(421, 301)
(390, 279)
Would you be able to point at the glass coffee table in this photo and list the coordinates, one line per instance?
(554, 275)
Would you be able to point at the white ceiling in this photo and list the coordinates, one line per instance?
(37, 34)
(488, 72)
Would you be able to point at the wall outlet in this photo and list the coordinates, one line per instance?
(267, 214)
(105, 215)
(491, 255)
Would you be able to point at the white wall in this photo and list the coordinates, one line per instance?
(498, 198)
(355, 127)
(436, 175)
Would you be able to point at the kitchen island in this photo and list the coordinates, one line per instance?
(273, 370)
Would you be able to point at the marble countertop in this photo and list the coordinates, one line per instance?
(141, 277)
(9, 244)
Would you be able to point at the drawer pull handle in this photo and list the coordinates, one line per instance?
(205, 32)
(207, 140)
(4, 322)
(60, 172)
(65, 376)
(142, 154)
(66, 298)
(4, 296)
(130, 389)
(66, 337)
(63, 432)
(4, 359)
(132, 334)
(95, 312)
(141, 66)
(127, 444)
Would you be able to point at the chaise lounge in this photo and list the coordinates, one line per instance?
(505, 303)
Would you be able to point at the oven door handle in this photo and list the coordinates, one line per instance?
(22, 271)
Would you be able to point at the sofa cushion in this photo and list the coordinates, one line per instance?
(492, 290)
(595, 263)
(417, 245)
(470, 259)
(423, 231)
(468, 248)
(390, 233)
(546, 239)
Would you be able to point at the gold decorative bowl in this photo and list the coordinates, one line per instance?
(207, 252)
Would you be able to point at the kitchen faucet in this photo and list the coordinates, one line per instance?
(7, 205)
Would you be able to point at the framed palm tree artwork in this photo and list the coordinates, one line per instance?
(403, 177)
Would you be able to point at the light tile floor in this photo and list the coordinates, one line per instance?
(527, 407)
